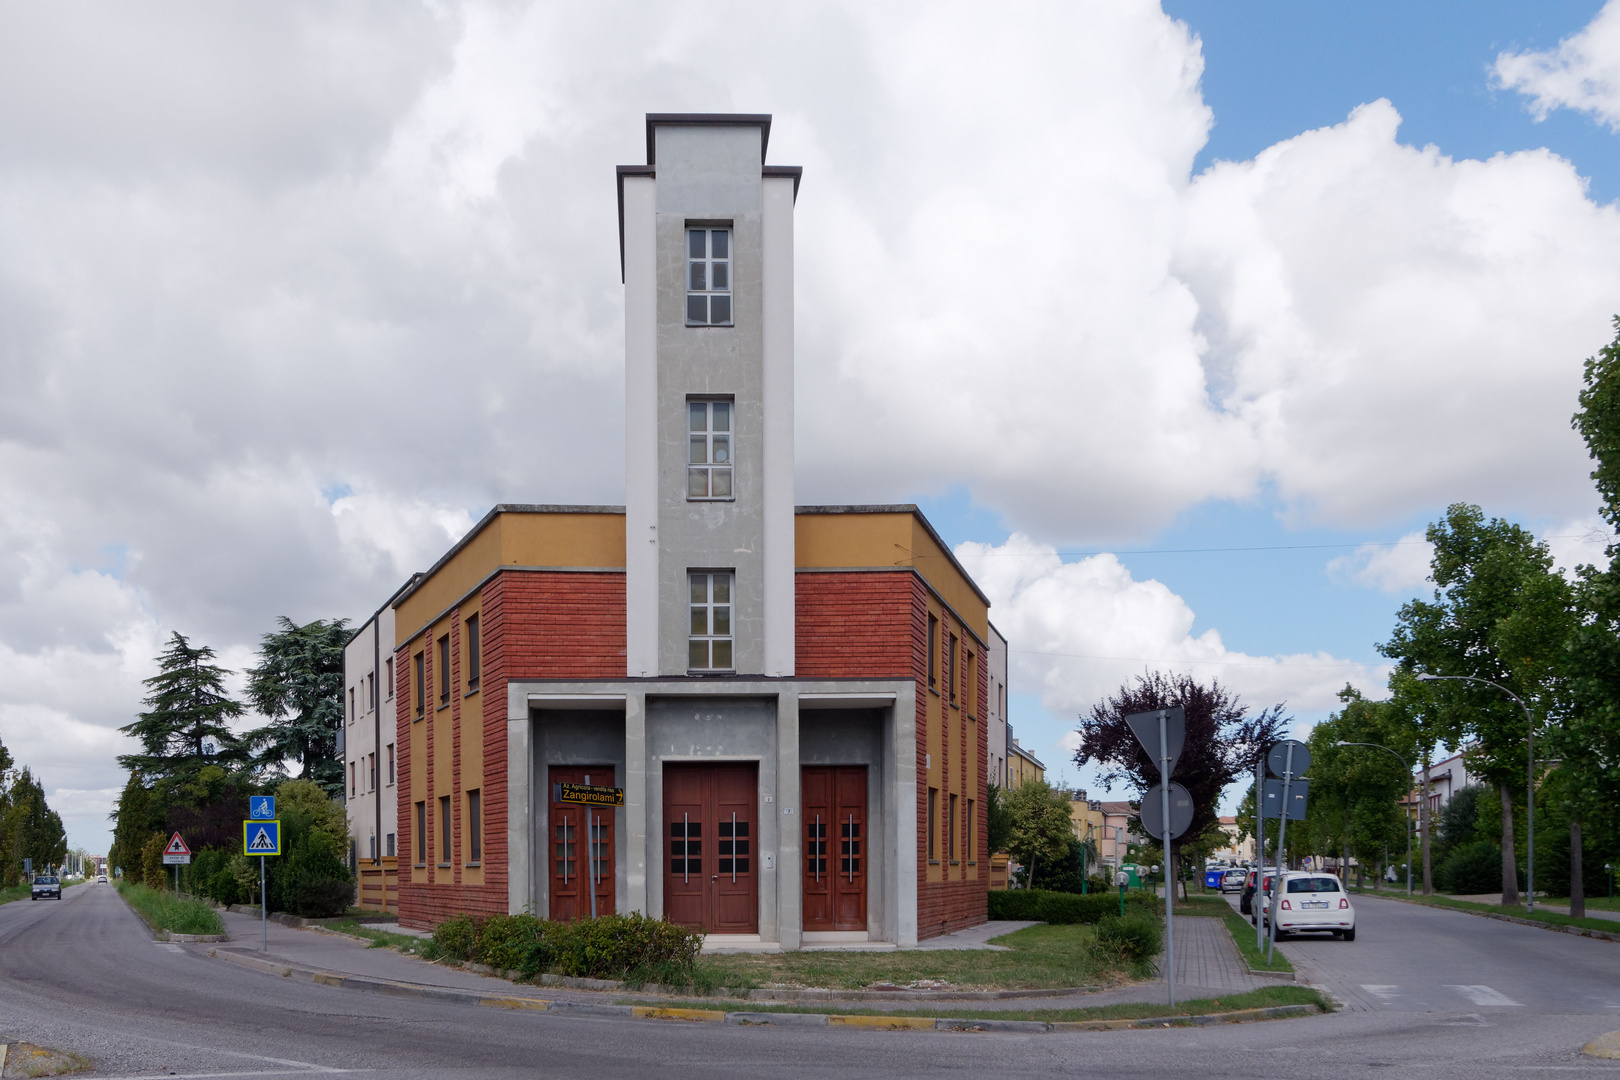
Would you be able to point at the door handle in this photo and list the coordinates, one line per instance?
(715, 878)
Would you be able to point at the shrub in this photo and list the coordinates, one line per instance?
(608, 947)
(316, 882)
(1061, 909)
(457, 937)
(1474, 867)
(165, 911)
(1129, 939)
(152, 868)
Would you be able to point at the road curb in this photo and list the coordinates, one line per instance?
(742, 1018)
(1577, 931)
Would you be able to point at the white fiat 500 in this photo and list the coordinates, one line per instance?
(1313, 903)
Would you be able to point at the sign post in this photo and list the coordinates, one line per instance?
(176, 855)
(1162, 733)
(1287, 759)
(261, 836)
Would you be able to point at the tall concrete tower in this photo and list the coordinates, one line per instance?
(706, 233)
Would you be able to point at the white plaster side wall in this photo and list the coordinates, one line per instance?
(640, 427)
(519, 802)
(905, 824)
(779, 556)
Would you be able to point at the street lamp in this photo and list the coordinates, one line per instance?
(1402, 760)
(1530, 784)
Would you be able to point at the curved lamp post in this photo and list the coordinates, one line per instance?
(1402, 760)
(1530, 784)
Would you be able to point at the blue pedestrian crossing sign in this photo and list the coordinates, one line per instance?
(261, 838)
(262, 807)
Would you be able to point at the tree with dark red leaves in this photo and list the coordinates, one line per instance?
(1223, 740)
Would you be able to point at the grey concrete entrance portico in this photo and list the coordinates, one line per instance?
(638, 726)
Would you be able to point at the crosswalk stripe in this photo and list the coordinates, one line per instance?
(1382, 993)
(1484, 995)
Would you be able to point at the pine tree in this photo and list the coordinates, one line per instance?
(185, 726)
(298, 684)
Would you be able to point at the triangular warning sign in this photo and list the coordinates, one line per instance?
(262, 841)
(176, 846)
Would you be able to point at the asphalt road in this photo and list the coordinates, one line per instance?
(83, 974)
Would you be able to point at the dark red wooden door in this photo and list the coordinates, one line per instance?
(711, 835)
(581, 847)
(835, 846)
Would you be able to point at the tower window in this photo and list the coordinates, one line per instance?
(708, 277)
(710, 642)
(708, 449)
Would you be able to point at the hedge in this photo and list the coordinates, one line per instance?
(1061, 908)
(607, 947)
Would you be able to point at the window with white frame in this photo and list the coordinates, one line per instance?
(708, 277)
(710, 641)
(708, 449)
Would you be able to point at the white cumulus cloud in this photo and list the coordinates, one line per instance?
(1581, 73)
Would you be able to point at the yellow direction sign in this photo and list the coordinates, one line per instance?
(588, 794)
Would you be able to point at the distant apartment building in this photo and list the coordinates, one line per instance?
(996, 710)
(1446, 777)
(1234, 850)
(370, 758)
(1022, 766)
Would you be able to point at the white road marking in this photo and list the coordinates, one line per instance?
(1484, 995)
(1383, 993)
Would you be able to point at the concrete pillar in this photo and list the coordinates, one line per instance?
(519, 805)
(789, 892)
(640, 820)
(902, 849)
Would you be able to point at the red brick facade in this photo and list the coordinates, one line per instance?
(534, 625)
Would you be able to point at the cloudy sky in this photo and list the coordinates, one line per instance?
(1181, 321)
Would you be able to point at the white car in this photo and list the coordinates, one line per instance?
(1312, 903)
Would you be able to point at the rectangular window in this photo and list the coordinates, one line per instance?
(390, 763)
(371, 773)
(951, 829)
(371, 844)
(475, 827)
(708, 449)
(950, 668)
(933, 648)
(709, 644)
(474, 662)
(351, 780)
(443, 674)
(421, 834)
(933, 807)
(389, 851)
(708, 277)
(446, 823)
(421, 687)
(972, 833)
(967, 679)
(371, 703)
(390, 680)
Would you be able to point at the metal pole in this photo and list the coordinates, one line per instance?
(264, 911)
(1259, 847)
(1282, 834)
(590, 851)
(1169, 889)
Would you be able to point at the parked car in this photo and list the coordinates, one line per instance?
(46, 887)
(1213, 876)
(1246, 901)
(1312, 903)
(1234, 879)
(101, 879)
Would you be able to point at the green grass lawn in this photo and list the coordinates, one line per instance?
(165, 911)
(1552, 918)
(16, 892)
(1041, 957)
(1265, 997)
(386, 939)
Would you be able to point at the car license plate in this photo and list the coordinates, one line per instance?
(1314, 903)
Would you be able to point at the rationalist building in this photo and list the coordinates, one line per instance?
(794, 699)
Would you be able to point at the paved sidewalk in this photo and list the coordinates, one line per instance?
(1541, 905)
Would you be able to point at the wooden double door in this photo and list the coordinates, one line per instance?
(711, 846)
(581, 847)
(836, 852)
